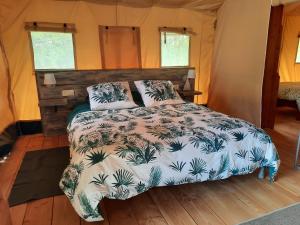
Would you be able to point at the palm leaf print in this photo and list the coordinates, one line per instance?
(121, 193)
(224, 164)
(137, 155)
(214, 145)
(178, 166)
(142, 156)
(198, 167)
(238, 136)
(264, 138)
(100, 180)
(123, 178)
(105, 125)
(188, 121)
(185, 180)
(109, 92)
(96, 157)
(156, 94)
(176, 146)
(86, 206)
(257, 155)
(224, 124)
(70, 179)
(255, 131)
(140, 187)
(223, 167)
(170, 182)
(241, 154)
(130, 126)
(155, 177)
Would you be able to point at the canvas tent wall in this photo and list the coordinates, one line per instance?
(87, 16)
(289, 70)
(239, 59)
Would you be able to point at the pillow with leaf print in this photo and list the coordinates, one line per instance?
(158, 92)
(114, 95)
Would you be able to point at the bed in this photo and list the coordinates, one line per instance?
(289, 95)
(118, 154)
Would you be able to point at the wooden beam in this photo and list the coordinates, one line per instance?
(271, 76)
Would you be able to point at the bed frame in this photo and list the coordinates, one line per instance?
(289, 103)
(55, 107)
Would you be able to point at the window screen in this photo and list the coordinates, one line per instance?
(175, 49)
(52, 50)
(298, 52)
(120, 47)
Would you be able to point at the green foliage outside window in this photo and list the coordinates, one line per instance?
(174, 49)
(53, 50)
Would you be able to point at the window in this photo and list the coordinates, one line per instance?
(298, 52)
(120, 47)
(52, 50)
(175, 49)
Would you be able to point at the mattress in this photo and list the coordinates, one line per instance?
(118, 154)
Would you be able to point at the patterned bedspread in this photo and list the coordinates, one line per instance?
(290, 91)
(118, 154)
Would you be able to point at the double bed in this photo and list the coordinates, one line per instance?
(289, 95)
(120, 153)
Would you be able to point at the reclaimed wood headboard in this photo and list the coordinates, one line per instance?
(55, 107)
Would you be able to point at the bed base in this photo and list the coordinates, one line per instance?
(289, 103)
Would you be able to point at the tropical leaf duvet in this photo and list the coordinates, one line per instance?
(118, 154)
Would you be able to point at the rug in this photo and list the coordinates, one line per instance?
(39, 175)
(285, 216)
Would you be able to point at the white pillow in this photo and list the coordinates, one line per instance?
(116, 95)
(157, 92)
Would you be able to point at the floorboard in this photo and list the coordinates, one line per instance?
(224, 202)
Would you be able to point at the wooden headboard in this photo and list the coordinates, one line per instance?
(55, 107)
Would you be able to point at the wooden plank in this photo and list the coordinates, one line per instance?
(148, 213)
(51, 142)
(36, 142)
(224, 203)
(88, 77)
(63, 212)
(195, 206)
(53, 102)
(104, 222)
(12, 165)
(170, 208)
(63, 140)
(119, 212)
(39, 212)
(18, 213)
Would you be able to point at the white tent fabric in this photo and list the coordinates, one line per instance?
(239, 58)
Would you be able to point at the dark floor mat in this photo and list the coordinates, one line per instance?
(39, 175)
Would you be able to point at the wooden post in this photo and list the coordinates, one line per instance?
(271, 76)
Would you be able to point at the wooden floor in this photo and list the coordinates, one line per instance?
(222, 202)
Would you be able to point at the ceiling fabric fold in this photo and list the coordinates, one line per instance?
(11, 9)
(197, 5)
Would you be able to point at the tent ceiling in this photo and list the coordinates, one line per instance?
(198, 5)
